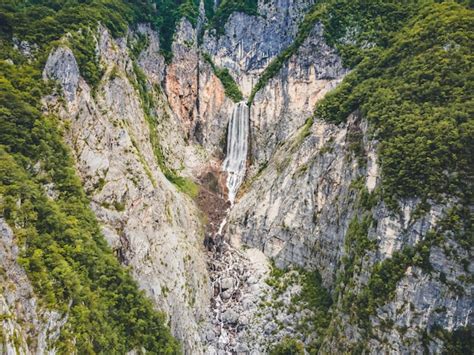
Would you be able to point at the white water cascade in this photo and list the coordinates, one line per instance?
(229, 267)
(237, 146)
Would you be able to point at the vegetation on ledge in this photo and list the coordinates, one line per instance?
(231, 88)
(83, 45)
(169, 12)
(313, 297)
(288, 346)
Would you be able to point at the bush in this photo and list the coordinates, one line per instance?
(83, 44)
(288, 346)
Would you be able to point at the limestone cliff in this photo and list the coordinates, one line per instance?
(152, 130)
(304, 189)
(152, 227)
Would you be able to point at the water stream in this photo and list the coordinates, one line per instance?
(229, 268)
(237, 146)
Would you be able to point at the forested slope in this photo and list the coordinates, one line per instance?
(365, 192)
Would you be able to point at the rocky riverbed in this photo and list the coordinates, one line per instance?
(251, 309)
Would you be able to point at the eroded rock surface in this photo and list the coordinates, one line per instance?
(152, 227)
(303, 189)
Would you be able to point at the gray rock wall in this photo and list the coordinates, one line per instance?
(152, 227)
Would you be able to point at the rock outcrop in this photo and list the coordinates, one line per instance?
(249, 43)
(153, 227)
(304, 190)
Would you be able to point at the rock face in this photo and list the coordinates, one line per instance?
(62, 67)
(249, 43)
(298, 227)
(153, 228)
(307, 225)
(288, 100)
(303, 188)
(182, 75)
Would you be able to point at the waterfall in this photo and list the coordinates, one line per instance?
(237, 146)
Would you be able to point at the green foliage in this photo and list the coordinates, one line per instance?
(313, 293)
(355, 145)
(386, 274)
(184, 184)
(230, 86)
(417, 94)
(458, 225)
(316, 298)
(190, 10)
(169, 12)
(231, 89)
(385, 277)
(288, 346)
(313, 297)
(356, 246)
(209, 8)
(138, 44)
(357, 240)
(65, 256)
(83, 44)
(457, 342)
(44, 21)
(67, 259)
(353, 27)
(304, 132)
(41, 23)
(357, 27)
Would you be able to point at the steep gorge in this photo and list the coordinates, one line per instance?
(166, 156)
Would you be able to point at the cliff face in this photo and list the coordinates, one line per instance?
(288, 99)
(309, 225)
(152, 227)
(249, 43)
(304, 187)
(307, 185)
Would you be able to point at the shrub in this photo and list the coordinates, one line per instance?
(288, 346)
